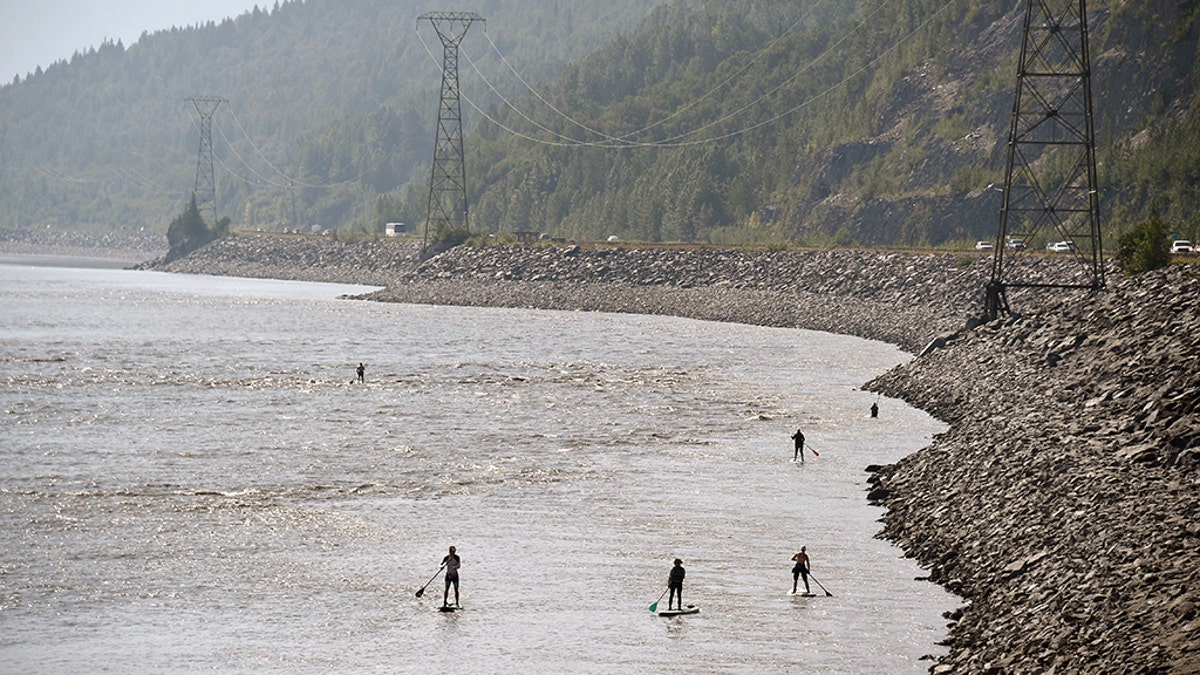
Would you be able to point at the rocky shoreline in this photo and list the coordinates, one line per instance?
(1063, 503)
(371, 262)
(108, 245)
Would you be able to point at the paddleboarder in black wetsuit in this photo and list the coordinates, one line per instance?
(361, 372)
(799, 438)
(874, 410)
(800, 568)
(675, 583)
(451, 563)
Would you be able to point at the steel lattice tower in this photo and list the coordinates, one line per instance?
(447, 210)
(205, 190)
(1050, 187)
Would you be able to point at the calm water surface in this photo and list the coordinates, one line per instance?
(193, 481)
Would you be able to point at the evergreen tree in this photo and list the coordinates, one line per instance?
(188, 232)
(1146, 246)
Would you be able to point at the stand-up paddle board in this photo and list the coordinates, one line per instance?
(449, 608)
(690, 609)
(804, 595)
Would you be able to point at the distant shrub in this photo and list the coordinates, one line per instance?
(1146, 246)
(188, 232)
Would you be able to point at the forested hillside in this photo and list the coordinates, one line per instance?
(872, 122)
(880, 123)
(335, 98)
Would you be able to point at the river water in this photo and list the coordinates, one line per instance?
(192, 480)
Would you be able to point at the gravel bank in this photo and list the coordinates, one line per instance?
(111, 245)
(1064, 502)
(905, 299)
(373, 262)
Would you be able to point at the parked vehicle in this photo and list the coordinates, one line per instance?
(1061, 247)
(1015, 244)
(983, 246)
(1182, 246)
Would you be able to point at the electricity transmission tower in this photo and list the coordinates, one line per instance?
(205, 191)
(447, 210)
(1050, 189)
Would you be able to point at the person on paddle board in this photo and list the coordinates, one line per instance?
(874, 410)
(675, 583)
(798, 437)
(451, 562)
(361, 372)
(800, 569)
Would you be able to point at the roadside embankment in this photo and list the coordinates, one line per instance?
(903, 298)
(906, 299)
(371, 262)
(110, 245)
(1064, 501)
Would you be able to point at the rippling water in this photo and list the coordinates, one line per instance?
(193, 481)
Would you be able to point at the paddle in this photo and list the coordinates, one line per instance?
(654, 606)
(421, 590)
(827, 593)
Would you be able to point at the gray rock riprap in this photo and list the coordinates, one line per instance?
(114, 244)
(1064, 501)
(374, 262)
(902, 298)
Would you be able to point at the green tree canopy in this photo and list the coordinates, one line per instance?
(1146, 246)
(189, 232)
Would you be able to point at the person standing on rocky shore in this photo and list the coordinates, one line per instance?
(798, 437)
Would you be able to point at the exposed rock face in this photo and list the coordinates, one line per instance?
(1064, 502)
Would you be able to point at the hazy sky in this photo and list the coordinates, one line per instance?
(39, 32)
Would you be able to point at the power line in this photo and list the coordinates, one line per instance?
(677, 112)
(263, 179)
(139, 180)
(289, 181)
(680, 140)
(255, 147)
